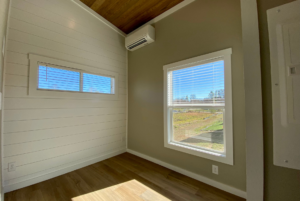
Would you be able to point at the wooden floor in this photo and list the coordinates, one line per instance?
(124, 177)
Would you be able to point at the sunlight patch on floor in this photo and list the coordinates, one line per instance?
(127, 191)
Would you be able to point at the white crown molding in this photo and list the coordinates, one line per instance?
(158, 18)
(165, 14)
(198, 177)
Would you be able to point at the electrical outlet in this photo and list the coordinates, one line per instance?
(215, 169)
(11, 167)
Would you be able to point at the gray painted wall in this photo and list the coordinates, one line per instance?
(202, 27)
(280, 183)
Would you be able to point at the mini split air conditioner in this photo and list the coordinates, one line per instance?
(140, 38)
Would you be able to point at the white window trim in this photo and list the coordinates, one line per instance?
(228, 127)
(36, 61)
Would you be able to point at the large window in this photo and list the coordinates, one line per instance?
(198, 116)
(56, 78)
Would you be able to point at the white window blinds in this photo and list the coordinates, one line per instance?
(54, 78)
(58, 79)
(97, 84)
(201, 85)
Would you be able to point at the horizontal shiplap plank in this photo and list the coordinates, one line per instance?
(61, 150)
(24, 148)
(32, 168)
(16, 69)
(17, 58)
(39, 12)
(28, 136)
(16, 80)
(30, 125)
(22, 48)
(30, 114)
(33, 103)
(22, 92)
(25, 38)
(105, 151)
(41, 32)
(48, 24)
(73, 12)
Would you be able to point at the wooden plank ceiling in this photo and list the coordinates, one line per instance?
(128, 15)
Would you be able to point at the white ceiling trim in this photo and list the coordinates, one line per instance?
(166, 14)
(158, 18)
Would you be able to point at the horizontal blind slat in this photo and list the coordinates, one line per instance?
(97, 84)
(198, 85)
(58, 79)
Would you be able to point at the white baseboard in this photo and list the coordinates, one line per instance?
(203, 179)
(59, 172)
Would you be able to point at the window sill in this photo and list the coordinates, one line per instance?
(203, 153)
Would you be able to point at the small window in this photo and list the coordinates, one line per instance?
(97, 84)
(198, 98)
(56, 78)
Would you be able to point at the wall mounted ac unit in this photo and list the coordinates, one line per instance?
(140, 38)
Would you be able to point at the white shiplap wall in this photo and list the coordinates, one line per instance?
(46, 137)
(4, 5)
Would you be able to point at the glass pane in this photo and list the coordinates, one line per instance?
(202, 128)
(97, 84)
(198, 85)
(58, 79)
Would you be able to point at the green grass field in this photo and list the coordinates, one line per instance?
(216, 126)
(199, 128)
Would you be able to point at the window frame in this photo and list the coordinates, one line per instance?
(33, 90)
(227, 156)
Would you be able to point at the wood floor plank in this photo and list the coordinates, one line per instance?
(163, 176)
(78, 183)
(122, 178)
(133, 176)
(116, 166)
(149, 165)
(127, 164)
(95, 180)
(110, 174)
(47, 191)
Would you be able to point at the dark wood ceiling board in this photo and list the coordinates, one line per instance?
(128, 15)
(89, 3)
(132, 13)
(138, 15)
(111, 11)
(146, 16)
(97, 4)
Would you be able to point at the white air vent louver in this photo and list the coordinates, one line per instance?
(140, 38)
